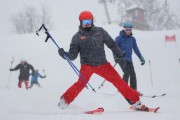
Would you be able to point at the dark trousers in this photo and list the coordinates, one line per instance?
(32, 83)
(129, 73)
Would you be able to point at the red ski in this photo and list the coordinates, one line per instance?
(153, 109)
(148, 109)
(98, 110)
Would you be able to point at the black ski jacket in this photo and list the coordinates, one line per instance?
(90, 45)
(24, 70)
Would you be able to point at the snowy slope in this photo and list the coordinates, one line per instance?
(41, 103)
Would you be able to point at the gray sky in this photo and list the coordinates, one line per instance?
(11, 7)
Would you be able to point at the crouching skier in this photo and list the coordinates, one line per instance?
(34, 78)
(89, 42)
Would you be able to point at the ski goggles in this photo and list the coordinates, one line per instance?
(85, 22)
(128, 29)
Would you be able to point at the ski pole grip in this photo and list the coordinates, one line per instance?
(44, 27)
(47, 37)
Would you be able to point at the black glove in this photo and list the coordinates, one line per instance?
(44, 76)
(61, 52)
(142, 60)
(10, 69)
(32, 73)
(118, 59)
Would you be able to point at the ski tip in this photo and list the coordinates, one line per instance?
(131, 107)
(101, 108)
(154, 96)
(96, 111)
(156, 109)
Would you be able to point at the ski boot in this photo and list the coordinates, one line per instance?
(139, 106)
(62, 104)
(139, 93)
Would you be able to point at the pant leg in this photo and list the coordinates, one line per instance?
(31, 85)
(78, 86)
(125, 69)
(110, 74)
(26, 84)
(20, 83)
(133, 81)
(38, 84)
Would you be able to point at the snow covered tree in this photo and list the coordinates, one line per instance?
(158, 15)
(28, 20)
(167, 20)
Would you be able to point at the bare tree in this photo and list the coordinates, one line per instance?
(18, 23)
(28, 20)
(31, 19)
(104, 2)
(25, 21)
(46, 16)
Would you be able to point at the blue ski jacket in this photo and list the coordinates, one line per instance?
(34, 78)
(127, 44)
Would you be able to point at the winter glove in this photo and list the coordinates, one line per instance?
(118, 59)
(10, 69)
(61, 52)
(32, 73)
(44, 76)
(142, 60)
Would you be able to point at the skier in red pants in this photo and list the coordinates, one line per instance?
(89, 42)
(24, 68)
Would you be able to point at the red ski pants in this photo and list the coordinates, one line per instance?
(20, 83)
(107, 72)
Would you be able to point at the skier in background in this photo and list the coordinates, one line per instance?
(34, 78)
(89, 42)
(127, 43)
(24, 68)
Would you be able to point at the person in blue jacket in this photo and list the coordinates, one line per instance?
(127, 43)
(34, 78)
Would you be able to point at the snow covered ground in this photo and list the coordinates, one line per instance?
(41, 103)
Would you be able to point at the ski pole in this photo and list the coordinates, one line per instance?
(150, 73)
(44, 73)
(102, 84)
(10, 73)
(65, 56)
